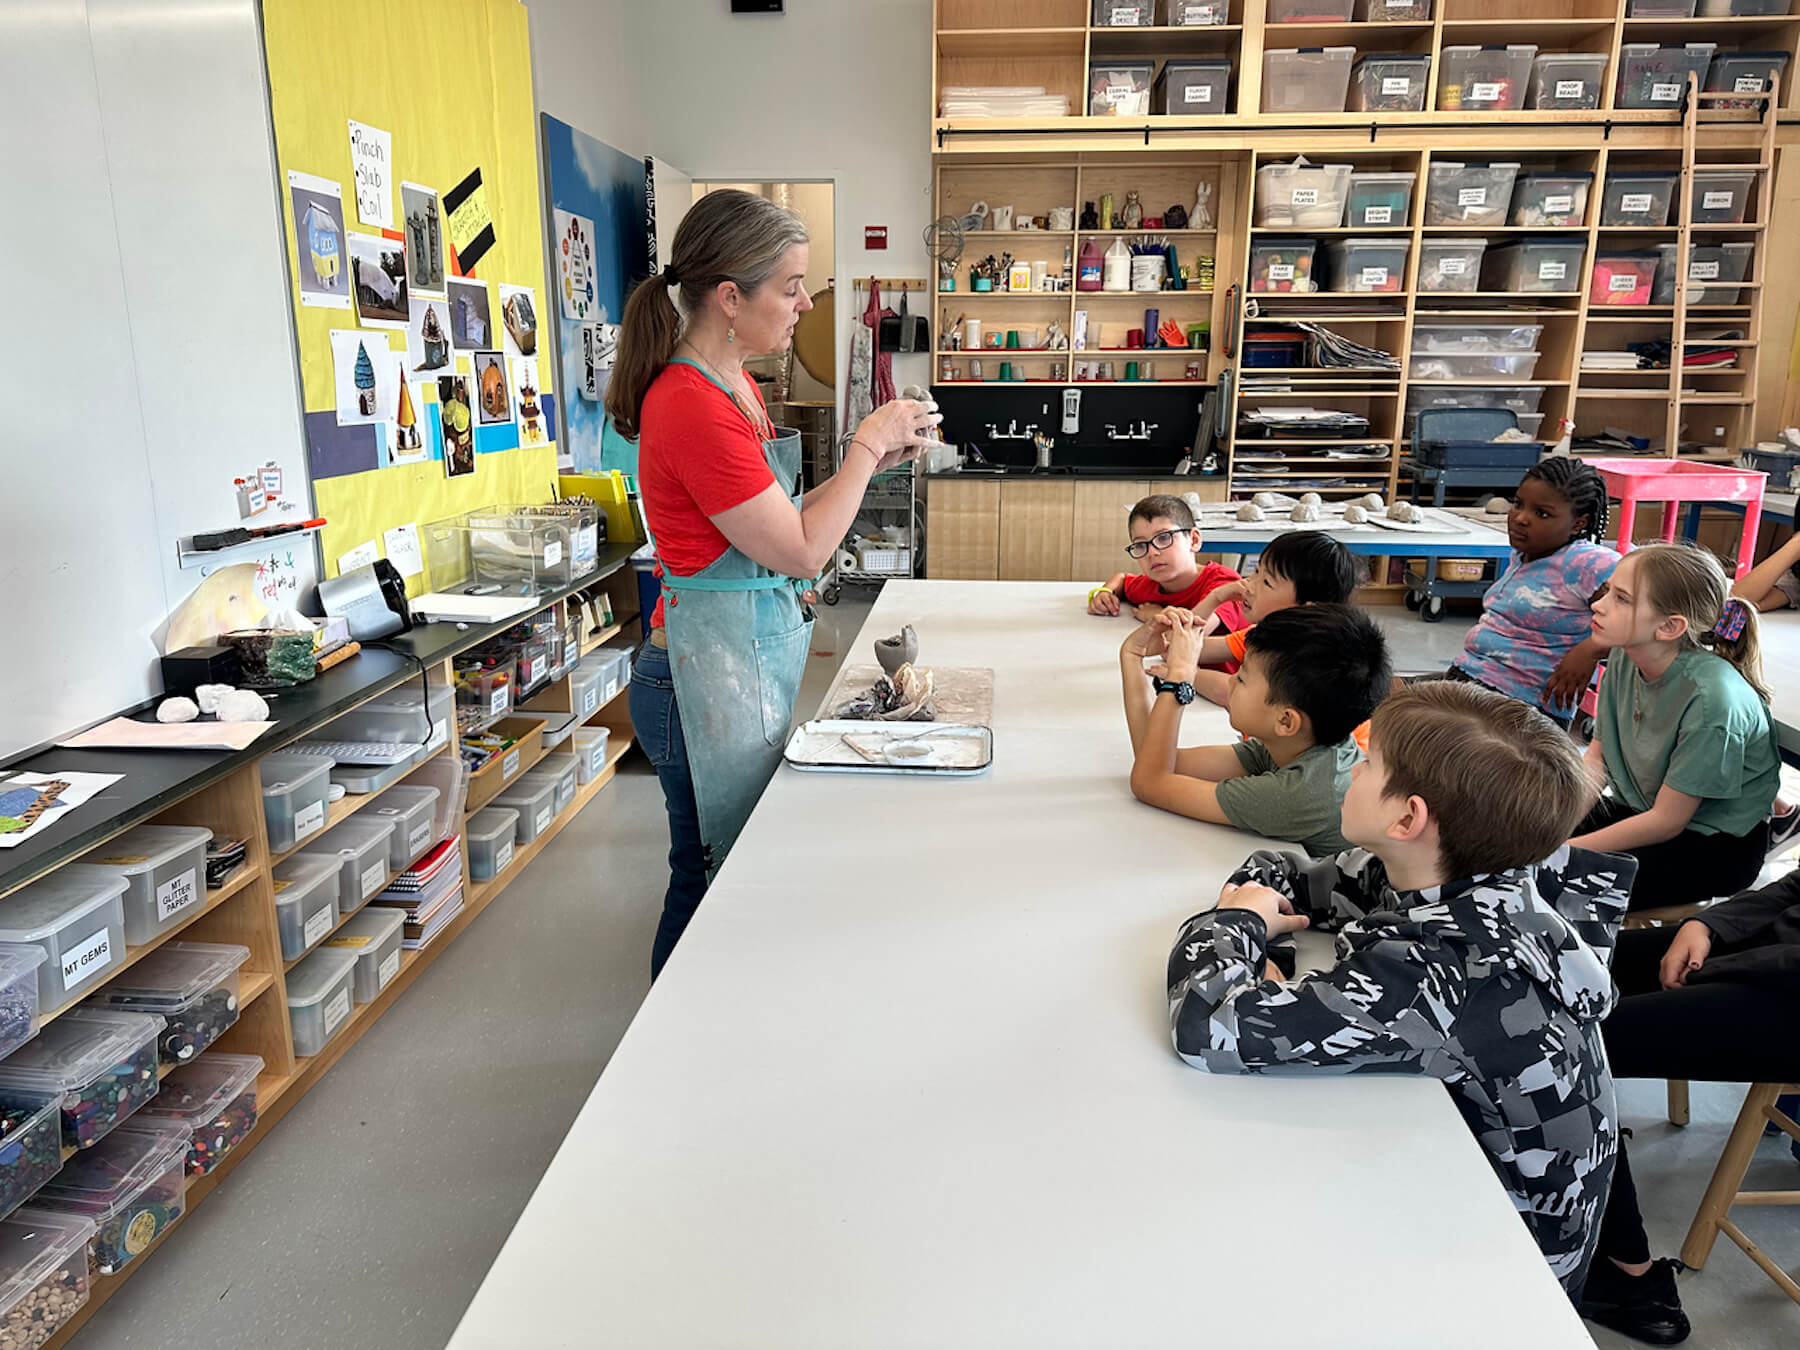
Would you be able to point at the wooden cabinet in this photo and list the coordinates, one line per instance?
(1102, 510)
(962, 529)
(1037, 526)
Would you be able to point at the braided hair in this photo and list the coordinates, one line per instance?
(1581, 485)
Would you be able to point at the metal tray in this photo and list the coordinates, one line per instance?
(845, 746)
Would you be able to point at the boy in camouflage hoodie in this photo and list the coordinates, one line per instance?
(1459, 953)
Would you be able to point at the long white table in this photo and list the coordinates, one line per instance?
(908, 1082)
(1781, 668)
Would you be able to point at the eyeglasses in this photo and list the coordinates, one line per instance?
(1158, 541)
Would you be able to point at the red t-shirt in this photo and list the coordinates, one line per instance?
(697, 456)
(1143, 590)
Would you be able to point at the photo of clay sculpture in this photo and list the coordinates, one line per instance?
(424, 237)
(364, 379)
(531, 426)
(458, 425)
(490, 387)
(378, 270)
(433, 345)
(469, 326)
(407, 441)
(521, 321)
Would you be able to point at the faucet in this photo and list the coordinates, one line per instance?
(1012, 432)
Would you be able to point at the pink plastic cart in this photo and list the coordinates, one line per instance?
(1675, 482)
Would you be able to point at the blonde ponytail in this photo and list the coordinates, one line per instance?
(1687, 580)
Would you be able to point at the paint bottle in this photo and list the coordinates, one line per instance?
(1088, 277)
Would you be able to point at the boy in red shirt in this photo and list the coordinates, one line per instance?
(1164, 538)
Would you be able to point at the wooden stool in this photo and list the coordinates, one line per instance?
(1671, 916)
(1722, 1192)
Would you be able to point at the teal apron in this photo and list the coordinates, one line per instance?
(738, 640)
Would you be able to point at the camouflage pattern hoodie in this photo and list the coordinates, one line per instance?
(1496, 986)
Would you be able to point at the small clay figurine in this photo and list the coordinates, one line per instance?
(1201, 218)
(900, 650)
(1132, 217)
(1056, 339)
(1090, 218)
(1175, 218)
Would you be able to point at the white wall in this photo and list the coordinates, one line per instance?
(837, 89)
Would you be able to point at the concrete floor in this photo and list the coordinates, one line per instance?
(370, 1215)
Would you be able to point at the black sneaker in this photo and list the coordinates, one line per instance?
(1781, 830)
(1644, 1307)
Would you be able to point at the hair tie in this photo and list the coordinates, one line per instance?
(1732, 620)
(668, 276)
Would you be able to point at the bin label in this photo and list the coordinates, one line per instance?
(497, 701)
(1715, 201)
(1198, 93)
(356, 941)
(1453, 267)
(1571, 88)
(1396, 84)
(1374, 276)
(1560, 205)
(1553, 269)
(552, 552)
(175, 895)
(1120, 93)
(1703, 271)
(319, 925)
(1747, 84)
(1306, 196)
(390, 967)
(81, 962)
(543, 818)
(1378, 215)
(1485, 91)
(1471, 196)
(1622, 281)
(1665, 93)
(307, 820)
(420, 836)
(337, 1010)
(1636, 203)
(1127, 17)
(373, 879)
(510, 765)
(503, 857)
(590, 699)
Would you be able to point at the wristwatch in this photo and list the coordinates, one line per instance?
(1183, 691)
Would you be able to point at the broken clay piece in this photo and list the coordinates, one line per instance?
(900, 650)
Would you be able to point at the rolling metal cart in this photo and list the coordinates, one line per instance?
(889, 510)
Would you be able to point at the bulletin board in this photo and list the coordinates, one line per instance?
(417, 99)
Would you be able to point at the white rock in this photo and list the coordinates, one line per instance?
(1250, 511)
(208, 695)
(177, 709)
(243, 705)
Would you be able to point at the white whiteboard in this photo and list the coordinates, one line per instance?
(151, 356)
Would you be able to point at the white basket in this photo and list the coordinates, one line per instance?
(884, 559)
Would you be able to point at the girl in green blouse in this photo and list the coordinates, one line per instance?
(1684, 743)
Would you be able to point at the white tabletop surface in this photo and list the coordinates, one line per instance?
(908, 1082)
(1781, 668)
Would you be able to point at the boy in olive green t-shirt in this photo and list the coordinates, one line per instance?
(1310, 676)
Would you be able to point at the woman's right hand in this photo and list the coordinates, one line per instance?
(899, 430)
(1686, 954)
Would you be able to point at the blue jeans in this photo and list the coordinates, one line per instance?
(657, 722)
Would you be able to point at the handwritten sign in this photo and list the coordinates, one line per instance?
(470, 223)
(371, 164)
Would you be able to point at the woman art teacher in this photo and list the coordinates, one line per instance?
(712, 691)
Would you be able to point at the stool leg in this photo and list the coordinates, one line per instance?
(1747, 544)
(1729, 1174)
(1627, 521)
(1671, 517)
(1678, 1101)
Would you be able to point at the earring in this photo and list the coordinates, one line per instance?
(731, 334)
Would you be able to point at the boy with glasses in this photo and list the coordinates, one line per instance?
(1167, 547)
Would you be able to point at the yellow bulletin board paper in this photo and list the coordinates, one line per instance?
(455, 97)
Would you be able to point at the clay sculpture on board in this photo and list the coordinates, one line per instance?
(900, 650)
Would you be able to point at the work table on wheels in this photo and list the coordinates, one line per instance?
(908, 1082)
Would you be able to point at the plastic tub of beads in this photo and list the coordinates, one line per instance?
(192, 986)
(164, 867)
(1472, 193)
(101, 1063)
(132, 1187)
(18, 995)
(214, 1100)
(1450, 264)
(43, 1275)
(30, 1145)
(1566, 81)
(76, 917)
(319, 997)
(1484, 79)
(306, 901)
(1623, 278)
(490, 835)
(1656, 77)
(1638, 198)
(1550, 199)
(373, 937)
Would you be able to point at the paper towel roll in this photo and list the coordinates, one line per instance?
(846, 561)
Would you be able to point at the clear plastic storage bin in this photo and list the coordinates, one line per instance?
(1522, 400)
(590, 753)
(1534, 265)
(1566, 81)
(1306, 79)
(558, 769)
(521, 552)
(294, 792)
(319, 998)
(1301, 195)
(490, 838)
(374, 938)
(1120, 88)
(361, 850)
(43, 1275)
(1550, 199)
(1656, 77)
(1282, 265)
(1708, 264)
(1623, 278)
(585, 687)
(1124, 13)
(1660, 9)
(1722, 196)
(535, 801)
(101, 1065)
(1466, 365)
(30, 1144)
(1367, 264)
(1311, 11)
(1447, 265)
(1390, 82)
(192, 986)
(76, 917)
(405, 714)
(1468, 193)
(1393, 11)
(1451, 339)
(18, 996)
(1741, 9)
(1743, 73)
(132, 1188)
(412, 811)
(1484, 79)
(1195, 13)
(214, 1100)
(1380, 199)
(1638, 198)
(306, 901)
(164, 867)
(605, 667)
(1192, 88)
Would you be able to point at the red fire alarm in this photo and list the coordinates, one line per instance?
(874, 236)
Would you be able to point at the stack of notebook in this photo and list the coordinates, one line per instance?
(430, 891)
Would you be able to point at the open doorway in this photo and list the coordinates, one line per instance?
(800, 386)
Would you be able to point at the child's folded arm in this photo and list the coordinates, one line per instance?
(1667, 817)
(1225, 1019)
(1323, 889)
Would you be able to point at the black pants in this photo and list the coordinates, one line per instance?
(1690, 867)
(1712, 1033)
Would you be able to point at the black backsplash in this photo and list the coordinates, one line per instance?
(969, 408)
